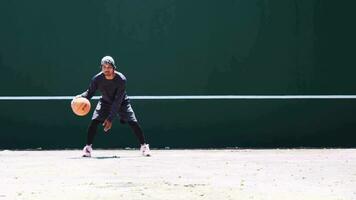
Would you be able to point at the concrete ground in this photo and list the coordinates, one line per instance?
(179, 174)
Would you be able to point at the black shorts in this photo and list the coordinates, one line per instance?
(125, 112)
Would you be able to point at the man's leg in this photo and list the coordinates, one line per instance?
(127, 115)
(99, 115)
(137, 130)
(100, 112)
(92, 130)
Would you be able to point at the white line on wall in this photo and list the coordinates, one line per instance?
(191, 97)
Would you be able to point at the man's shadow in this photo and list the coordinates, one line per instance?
(96, 157)
(106, 157)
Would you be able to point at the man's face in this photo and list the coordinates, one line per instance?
(107, 69)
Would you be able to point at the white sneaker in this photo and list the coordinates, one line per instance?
(87, 151)
(145, 150)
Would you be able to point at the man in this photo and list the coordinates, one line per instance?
(113, 101)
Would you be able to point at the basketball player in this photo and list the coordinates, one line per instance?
(113, 102)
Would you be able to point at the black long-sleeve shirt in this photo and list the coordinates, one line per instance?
(113, 91)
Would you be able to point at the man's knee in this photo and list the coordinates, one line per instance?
(94, 123)
(132, 123)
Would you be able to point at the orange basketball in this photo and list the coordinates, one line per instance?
(80, 106)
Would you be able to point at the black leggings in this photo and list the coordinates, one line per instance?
(135, 127)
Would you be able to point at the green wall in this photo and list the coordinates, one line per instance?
(181, 47)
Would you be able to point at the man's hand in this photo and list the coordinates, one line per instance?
(75, 98)
(107, 125)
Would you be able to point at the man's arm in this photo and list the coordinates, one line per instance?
(119, 97)
(89, 93)
(115, 106)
